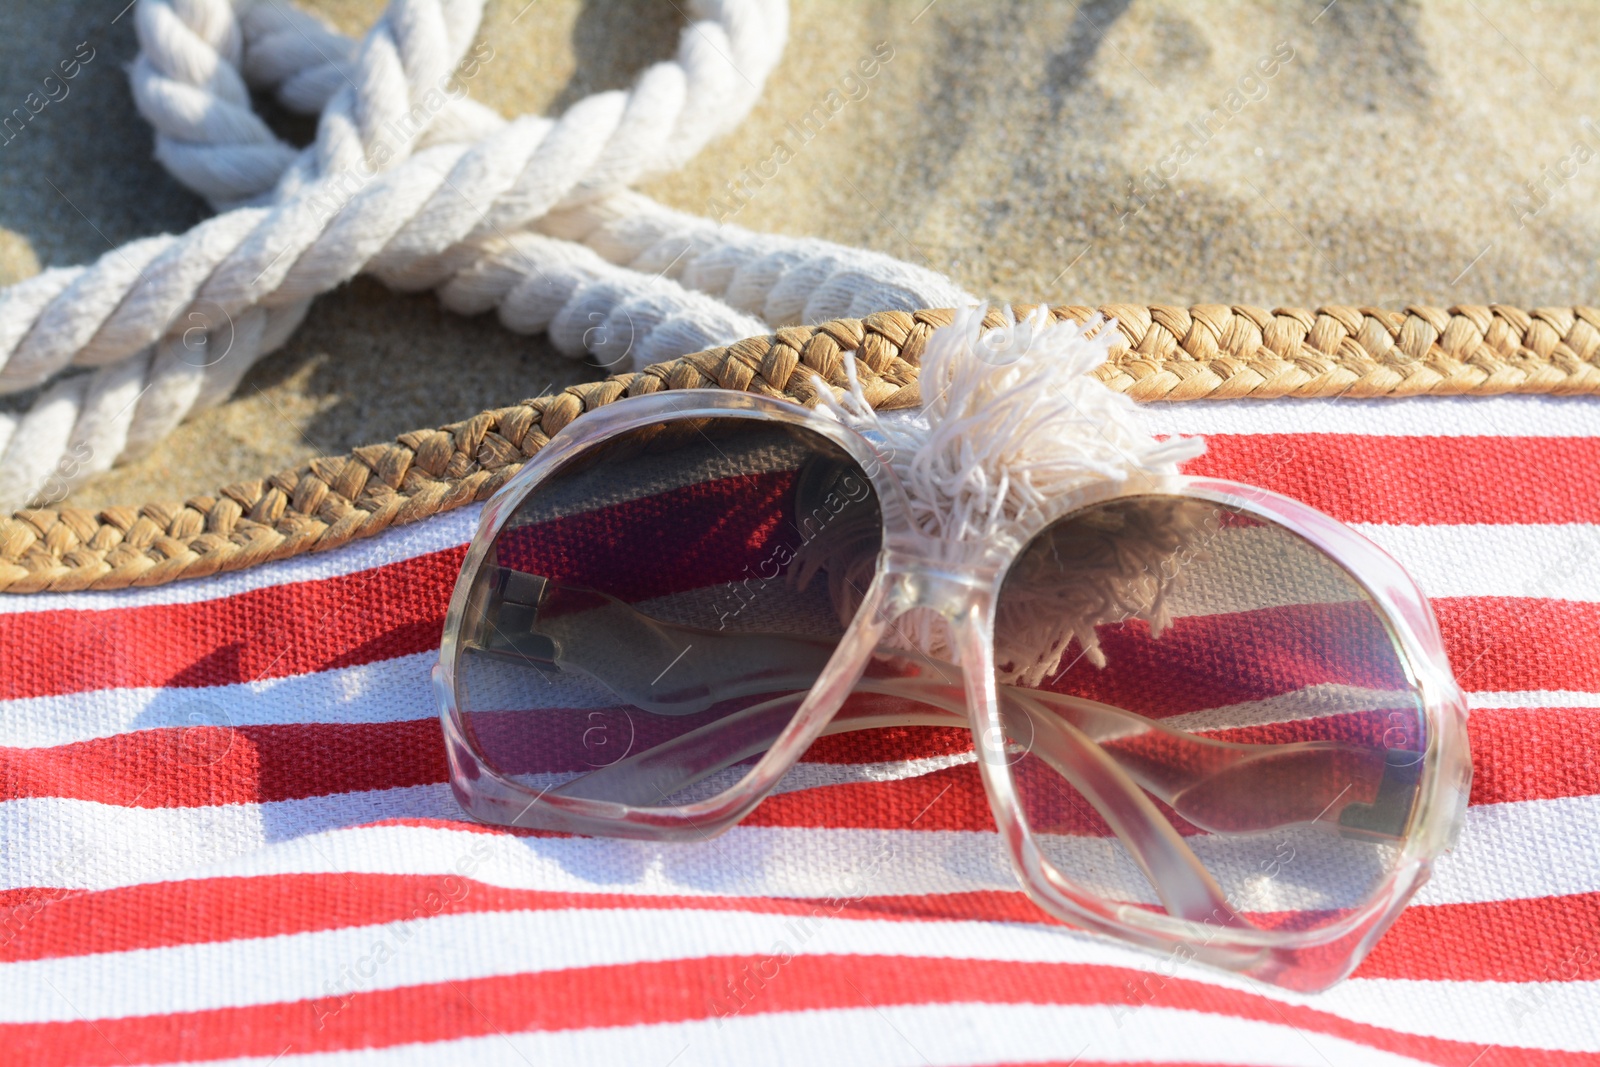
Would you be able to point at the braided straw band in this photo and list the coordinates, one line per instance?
(1208, 351)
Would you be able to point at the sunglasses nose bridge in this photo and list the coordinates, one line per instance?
(949, 587)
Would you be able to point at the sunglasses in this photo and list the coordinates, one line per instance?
(1208, 719)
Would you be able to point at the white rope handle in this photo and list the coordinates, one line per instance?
(191, 74)
(781, 280)
(244, 277)
(445, 208)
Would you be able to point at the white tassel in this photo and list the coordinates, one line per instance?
(1013, 430)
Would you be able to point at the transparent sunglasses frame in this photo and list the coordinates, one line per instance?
(961, 581)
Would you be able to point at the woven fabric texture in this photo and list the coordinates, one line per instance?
(226, 832)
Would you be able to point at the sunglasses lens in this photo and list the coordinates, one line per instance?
(653, 613)
(1233, 682)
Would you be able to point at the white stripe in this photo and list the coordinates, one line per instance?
(1558, 560)
(1553, 561)
(1545, 1015)
(1449, 416)
(449, 530)
(1255, 567)
(1523, 849)
(399, 690)
(442, 948)
(332, 965)
(393, 690)
(942, 1035)
(105, 846)
(1318, 700)
(329, 966)
(1533, 698)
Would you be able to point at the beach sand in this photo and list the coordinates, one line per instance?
(1033, 151)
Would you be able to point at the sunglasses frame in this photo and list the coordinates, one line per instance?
(962, 581)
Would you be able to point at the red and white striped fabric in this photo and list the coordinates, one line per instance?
(225, 832)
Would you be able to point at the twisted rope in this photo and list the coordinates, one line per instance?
(778, 279)
(445, 207)
(239, 282)
(1167, 353)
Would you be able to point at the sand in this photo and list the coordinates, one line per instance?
(1370, 154)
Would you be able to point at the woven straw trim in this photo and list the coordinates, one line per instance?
(1207, 351)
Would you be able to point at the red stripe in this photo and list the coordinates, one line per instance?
(1495, 644)
(1534, 754)
(205, 765)
(890, 744)
(685, 990)
(637, 549)
(275, 632)
(950, 799)
(1441, 942)
(1518, 754)
(1212, 661)
(164, 914)
(1510, 644)
(1542, 939)
(1417, 481)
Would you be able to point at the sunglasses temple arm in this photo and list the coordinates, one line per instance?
(1223, 786)
(1182, 882)
(650, 776)
(646, 777)
(766, 663)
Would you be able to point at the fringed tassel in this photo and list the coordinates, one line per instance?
(1013, 428)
